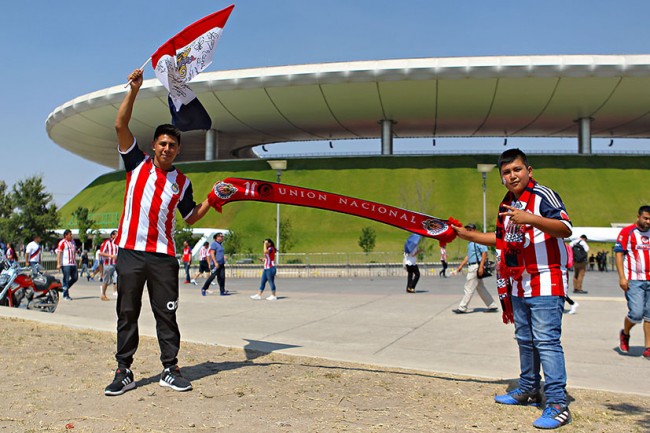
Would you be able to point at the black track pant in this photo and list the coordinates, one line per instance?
(413, 276)
(160, 272)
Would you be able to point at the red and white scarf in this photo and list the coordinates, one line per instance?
(236, 189)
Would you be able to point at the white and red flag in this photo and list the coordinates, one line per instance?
(188, 53)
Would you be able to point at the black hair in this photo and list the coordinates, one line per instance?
(67, 232)
(167, 129)
(645, 208)
(270, 241)
(510, 155)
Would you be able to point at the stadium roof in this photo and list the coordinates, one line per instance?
(523, 96)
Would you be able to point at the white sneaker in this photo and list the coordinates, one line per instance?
(272, 298)
(193, 282)
(256, 297)
(574, 307)
(115, 294)
(213, 283)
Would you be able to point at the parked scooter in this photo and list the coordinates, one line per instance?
(25, 288)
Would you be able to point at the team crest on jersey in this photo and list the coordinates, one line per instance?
(434, 227)
(224, 190)
(175, 188)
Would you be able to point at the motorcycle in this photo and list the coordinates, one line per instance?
(26, 288)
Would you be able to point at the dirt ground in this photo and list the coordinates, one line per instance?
(54, 379)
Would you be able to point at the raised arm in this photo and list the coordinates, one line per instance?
(124, 134)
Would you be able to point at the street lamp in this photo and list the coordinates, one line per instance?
(278, 165)
(484, 169)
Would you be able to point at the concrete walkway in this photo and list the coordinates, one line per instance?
(376, 322)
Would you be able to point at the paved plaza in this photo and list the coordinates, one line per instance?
(374, 321)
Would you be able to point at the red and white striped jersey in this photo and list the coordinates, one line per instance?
(269, 258)
(108, 247)
(150, 202)
(544, 256)
(203, 253)
(68, 251)
(635, 245)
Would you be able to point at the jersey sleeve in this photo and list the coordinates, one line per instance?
(552, 207)
(132, 157)
(621, 241)
(187, 204)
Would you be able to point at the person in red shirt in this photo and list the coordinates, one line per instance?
(632, 251)
(187, 260)
(155, 190)
(532, 282)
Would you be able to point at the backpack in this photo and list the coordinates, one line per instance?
(579, 253)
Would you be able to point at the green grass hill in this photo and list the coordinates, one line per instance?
(597, 191)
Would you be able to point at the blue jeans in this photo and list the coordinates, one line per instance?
(186, 265)
(538, 328)
(638, 301)
(268, 275)
(69, 278)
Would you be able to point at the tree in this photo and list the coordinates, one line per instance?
(367, 239)
(183, 233)
(6, 209)
(34, 213)
(84, 224)
(231, 243)
(287, 241)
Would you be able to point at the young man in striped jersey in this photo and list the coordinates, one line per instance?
(108, 254)
(632, 251)
(532, 282)
(66, 261)
(147, 254)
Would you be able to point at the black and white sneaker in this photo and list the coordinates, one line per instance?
(172, 378)
(122, 383)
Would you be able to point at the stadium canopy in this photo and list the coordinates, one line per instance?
(579, 96)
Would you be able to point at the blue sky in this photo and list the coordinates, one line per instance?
(56, 51)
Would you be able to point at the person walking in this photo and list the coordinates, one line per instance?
(66, 261)
(204, 266)
(411, 252)
(269, 271)
(187, 261)
(33, 252)
(108, 251)
(11, 253)
(443, 259)
(580, 250)
(97, 268)
(476, 259)
(84, 265)
(217, 260)
(532, 282)
(632, 255)
(155, 190)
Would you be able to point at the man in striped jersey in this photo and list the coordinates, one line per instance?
(108, 253)
(66, 261)
(632, 251)
(155, 189)
(532, 282)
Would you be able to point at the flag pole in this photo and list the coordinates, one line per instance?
(141, 67)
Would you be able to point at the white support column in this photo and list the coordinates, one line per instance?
(584, 135)
(386, 137)
(211, 145)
